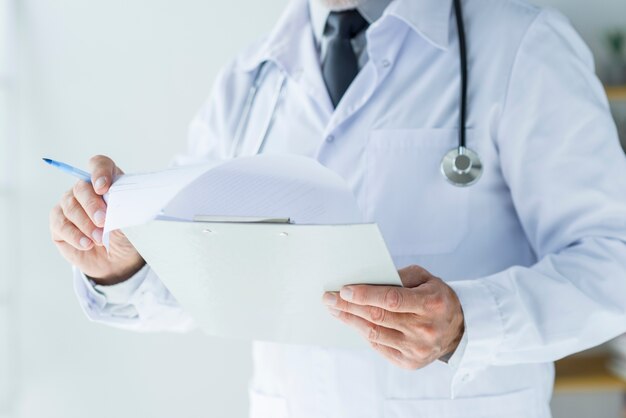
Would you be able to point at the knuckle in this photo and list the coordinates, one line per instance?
(68, 232)
(65, 224)
(100, 159)
(72, 207)
(341, 304)
(76, 236)
(407, 346)
(377, 314)
(66, 198)
(393, 298)
(422, 352)
(373, 332)
(343, 316)
(416, 350)
(414, 268)
(429, 333)
(435, 302)
(79, 188)
(92, 205)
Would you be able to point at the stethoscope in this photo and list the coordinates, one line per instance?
(461, 166)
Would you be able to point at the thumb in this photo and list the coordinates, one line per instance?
(414, 276)
(103, 173)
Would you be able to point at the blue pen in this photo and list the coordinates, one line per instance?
(76, 172)
(83, 175)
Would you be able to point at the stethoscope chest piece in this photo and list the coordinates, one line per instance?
(461, 167)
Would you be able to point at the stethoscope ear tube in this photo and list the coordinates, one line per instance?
(246, 111)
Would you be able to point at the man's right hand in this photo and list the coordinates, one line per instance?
(76, 224)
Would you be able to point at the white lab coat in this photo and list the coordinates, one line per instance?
(536, 250)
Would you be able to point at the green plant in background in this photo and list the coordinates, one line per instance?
(616, 40)
(616, 45)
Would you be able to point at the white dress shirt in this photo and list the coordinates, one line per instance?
(371, 10)
(535, 251)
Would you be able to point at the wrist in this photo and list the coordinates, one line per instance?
(457, 325)
(119, 275)
(454, 344)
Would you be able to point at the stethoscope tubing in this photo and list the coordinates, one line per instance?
(458, 12)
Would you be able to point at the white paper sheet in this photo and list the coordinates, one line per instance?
(135, 199)
(273, 186)
(270, 186)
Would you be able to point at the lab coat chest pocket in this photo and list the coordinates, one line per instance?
(417, 210)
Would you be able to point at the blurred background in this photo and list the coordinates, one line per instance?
(124, 78)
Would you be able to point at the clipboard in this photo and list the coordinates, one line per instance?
(263, 279)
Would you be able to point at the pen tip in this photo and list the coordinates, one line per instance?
(48, 160)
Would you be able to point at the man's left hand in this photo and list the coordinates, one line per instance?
(412, 326)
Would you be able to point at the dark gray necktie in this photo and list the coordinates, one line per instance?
(340, 64)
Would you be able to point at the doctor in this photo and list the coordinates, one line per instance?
(523, 267)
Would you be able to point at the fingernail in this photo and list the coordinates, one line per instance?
(99, 217)
(346, 293)
(100, 182)
(85, 242)
(97, 235)
(334, 312)
(330, 298)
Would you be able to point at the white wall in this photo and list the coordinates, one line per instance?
(124, 78)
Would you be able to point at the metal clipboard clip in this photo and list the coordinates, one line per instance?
(241, 219)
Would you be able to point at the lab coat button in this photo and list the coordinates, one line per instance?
(465, 377)
(386, 63)
(330, 138)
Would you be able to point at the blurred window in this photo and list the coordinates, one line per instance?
(8, 154)
(7, 79)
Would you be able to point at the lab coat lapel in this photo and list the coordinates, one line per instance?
(291, 46)
(429, 18)
(384, 40)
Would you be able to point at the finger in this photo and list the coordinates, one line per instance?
(413, 276)
(68, 252)
(390, 298)
(91, 202)
(396, 357)
(391, 354)
(373, 314)
(372, 332)
(65, 231)
(103, 171)
(75, 214)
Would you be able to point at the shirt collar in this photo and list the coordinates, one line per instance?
(371, 10)
(429, 18)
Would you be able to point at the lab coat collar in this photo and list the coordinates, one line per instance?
(281, 45)
(291, 47)
(429, 18)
